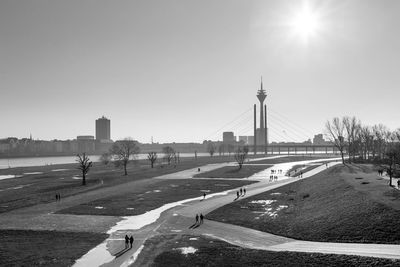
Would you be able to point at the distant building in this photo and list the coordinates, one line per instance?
(86, 143)
(103, 129)
(250, 140)
(228, 138)
(319, 140)
(244, 139)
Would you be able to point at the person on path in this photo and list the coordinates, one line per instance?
(237, 194)
(201, 218)
(131, 240)
(244, 191)
(241, 191)
(204, 195)
(57, 197)
(126, 241)
(198, 169)
(197, 218)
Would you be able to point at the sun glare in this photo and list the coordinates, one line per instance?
(305, 24)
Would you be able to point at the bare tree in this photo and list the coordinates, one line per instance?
(393, 158)
(211, 148)
(152, 156)
(351, 125)
(240, 156)
(122, 152)
(84, 165)
(169, 153)
(382, 135)
(335, 132)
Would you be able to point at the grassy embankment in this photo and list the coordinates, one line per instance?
(151, 196)
(45, 248)
(32, 189)
(342, 204)
(167, 251)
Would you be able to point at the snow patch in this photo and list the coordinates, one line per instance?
(59, 170)
(194, 238)
(187, 250)
(130, 208)
(99, 207)
(133, 258)
(156, 191)
(28, 173)
(2, 177)
(276, 193)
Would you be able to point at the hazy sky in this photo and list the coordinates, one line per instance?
(180, 70)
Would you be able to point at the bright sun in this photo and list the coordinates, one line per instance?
(305, 24)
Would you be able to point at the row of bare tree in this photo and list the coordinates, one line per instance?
(365, 143)
(121, 153)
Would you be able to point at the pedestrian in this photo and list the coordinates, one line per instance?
(204, 195)
(244, 191)
(197, 218)
(237, 194)
(131, 240)
(198, 169)
(241, 191)
(201, 218)
(56, 197)
(126, 241)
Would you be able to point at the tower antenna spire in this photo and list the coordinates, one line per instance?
(261, 84)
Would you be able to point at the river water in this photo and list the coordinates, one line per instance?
(42, 161)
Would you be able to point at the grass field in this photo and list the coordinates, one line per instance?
(152, 196)
(45, 248)
(32, 189)
(168, 251)
(233, 171)
(342, 204)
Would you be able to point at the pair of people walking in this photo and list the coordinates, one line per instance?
(58, 197)
(199, 219)
(128, 240)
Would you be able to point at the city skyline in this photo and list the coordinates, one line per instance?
(178, 71)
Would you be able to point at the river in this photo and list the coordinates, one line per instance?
(42, 161)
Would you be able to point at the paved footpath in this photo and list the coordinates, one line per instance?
(178, 220)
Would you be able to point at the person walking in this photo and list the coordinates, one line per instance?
(241, 191)
(201, 218)
(197, 218)
(126, 241)
(237, 194)
(244, 191)
(131, 240)
(56, 197)
(204, 195)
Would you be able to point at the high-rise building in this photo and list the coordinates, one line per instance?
(103, 129)
(228, 137)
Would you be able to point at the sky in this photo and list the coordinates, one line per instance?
(185, 70)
